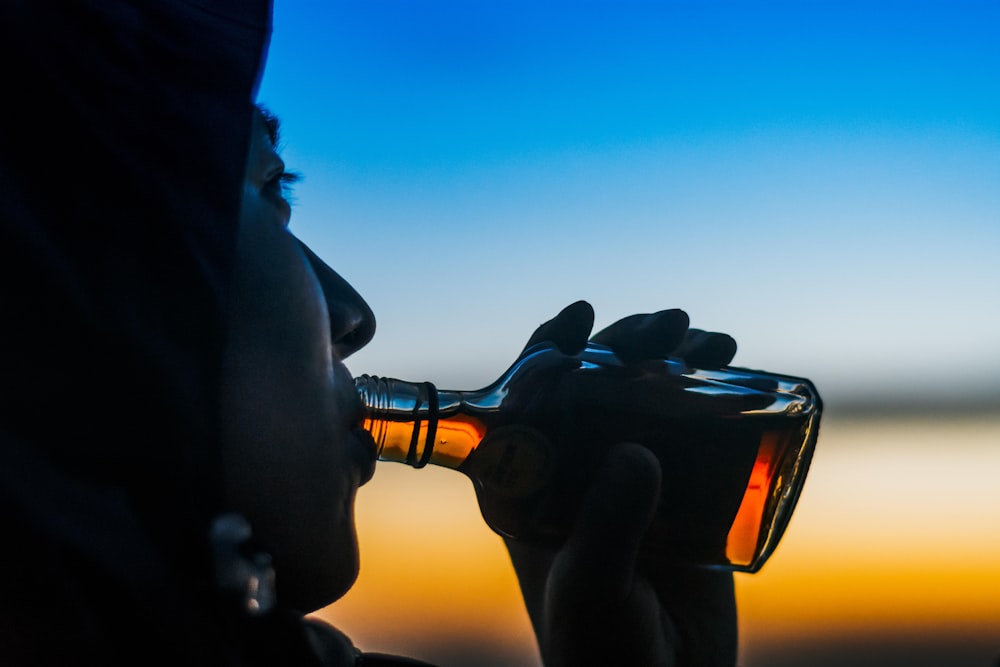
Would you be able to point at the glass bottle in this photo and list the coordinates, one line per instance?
(734, 445)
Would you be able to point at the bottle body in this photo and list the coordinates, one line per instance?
(734, 446)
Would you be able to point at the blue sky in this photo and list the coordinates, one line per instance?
(821, 180)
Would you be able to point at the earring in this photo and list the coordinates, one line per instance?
(248, 576)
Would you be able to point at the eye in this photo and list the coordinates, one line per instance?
(286, 183)
(282, 183)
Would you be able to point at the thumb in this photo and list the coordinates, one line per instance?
(613, 518)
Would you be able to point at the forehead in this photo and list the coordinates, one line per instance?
(267, 123)
(262, 143)
(260, 137)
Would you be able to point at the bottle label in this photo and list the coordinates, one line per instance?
(513, 461)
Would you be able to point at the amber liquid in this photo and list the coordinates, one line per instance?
(727, 482)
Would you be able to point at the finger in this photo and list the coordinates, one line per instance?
(330, 645)
(568, 330)
(652, 336)
(600, 554)
(702, 604)
(706, 349)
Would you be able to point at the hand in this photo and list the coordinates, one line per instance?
(643, 336)
(593, 600)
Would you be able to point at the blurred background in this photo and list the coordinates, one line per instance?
(819, 179)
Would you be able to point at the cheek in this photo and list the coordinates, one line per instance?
(278, 301)
(285, 408)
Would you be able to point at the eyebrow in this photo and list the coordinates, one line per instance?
(271, 122)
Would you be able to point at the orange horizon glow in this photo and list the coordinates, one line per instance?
(896, 534)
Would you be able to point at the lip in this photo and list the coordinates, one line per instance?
(367, 453)
(365, 449)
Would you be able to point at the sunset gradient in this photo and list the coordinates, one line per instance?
(817, 178)
(894, 547)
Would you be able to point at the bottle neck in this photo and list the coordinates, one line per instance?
(414, 423)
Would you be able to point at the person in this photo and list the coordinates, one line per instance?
(180, 436)
(279, 373)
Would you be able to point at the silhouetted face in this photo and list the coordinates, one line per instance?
(293, 450)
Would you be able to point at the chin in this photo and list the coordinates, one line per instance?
(327, 576)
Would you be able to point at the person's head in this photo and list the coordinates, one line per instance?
(293, 452)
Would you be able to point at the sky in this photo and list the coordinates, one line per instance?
(818, 179)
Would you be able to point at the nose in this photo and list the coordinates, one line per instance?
(352, 322)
